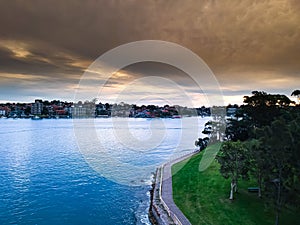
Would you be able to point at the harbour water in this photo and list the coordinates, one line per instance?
(47, 178)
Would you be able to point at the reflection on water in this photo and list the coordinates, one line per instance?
(46, 180)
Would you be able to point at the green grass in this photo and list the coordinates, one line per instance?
(203, 198)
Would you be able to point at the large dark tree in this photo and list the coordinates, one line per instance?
(263, 108)
(259, 110)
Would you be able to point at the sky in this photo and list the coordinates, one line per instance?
(47, 46)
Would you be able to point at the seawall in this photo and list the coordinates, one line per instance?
(157, 213)
(163, 210)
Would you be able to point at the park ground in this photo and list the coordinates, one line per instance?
(204, 198)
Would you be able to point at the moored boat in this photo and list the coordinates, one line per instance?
(36, 117)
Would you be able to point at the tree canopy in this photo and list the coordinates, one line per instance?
(269, 127)
(263, 108)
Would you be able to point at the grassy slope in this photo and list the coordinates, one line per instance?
(203, 198)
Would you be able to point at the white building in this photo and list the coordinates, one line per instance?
(2, 112)
(86, 110)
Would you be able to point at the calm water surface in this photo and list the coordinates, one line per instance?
(45, 178)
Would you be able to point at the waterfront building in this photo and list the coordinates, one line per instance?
(37, 107)
(85, 110)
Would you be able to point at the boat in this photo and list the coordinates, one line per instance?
(36, 117)
(176, 117)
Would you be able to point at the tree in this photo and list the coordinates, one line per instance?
(27, 110)
(202, 143)
(259, 110)
(94, 100)
(263, 108)
(234, 163)
(296, 93)
(207, 128)
(281, 178)
(218, 124)
(237, 130)
(258, 166)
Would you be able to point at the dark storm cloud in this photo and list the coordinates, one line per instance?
(239, 40)
(145, 69)
(88, 28)
(253, 29)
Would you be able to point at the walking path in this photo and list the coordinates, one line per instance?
(167, 193)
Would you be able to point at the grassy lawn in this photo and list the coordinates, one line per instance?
(203, 198)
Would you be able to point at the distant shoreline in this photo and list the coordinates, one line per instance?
(107, 117)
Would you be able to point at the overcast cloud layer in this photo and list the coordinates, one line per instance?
(45, 46)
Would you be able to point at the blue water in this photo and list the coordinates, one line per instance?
(46, 179)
